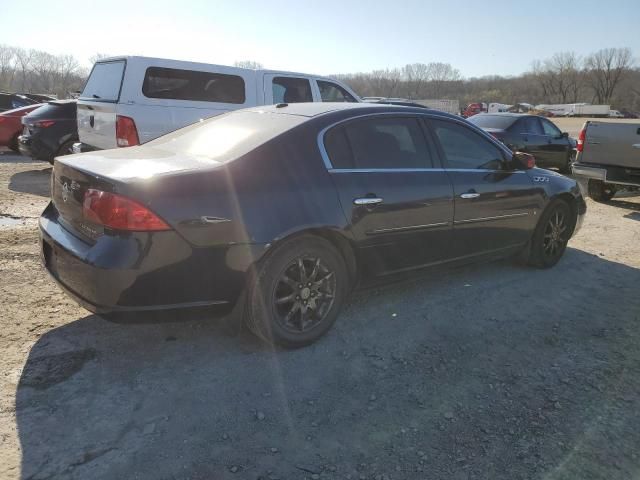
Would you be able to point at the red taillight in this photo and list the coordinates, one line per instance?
(120, 213)
(126, 132)
(44, 123)
(581, 138)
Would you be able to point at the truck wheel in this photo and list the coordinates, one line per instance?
(600, 191)
(297, 292)
(551, 236)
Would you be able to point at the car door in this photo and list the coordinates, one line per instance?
(495, 207)
(531, 138)
(398, 203)
(279, 88)
(556, 149)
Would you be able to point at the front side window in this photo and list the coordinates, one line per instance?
(550, 129)
(532, 126)
(464, 148)
(177, 84)
(104, 82)
(291, 90)
(330, 92)
(379, 143)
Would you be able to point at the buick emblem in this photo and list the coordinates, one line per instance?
(65, 192)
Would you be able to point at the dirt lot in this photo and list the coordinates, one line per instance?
(488, 372)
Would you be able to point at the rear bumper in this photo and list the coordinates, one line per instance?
(608, 174)
(137, 271)
(80, 147)
(33, 147)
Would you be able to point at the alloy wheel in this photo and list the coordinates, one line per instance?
(555, 234)
(304, 294)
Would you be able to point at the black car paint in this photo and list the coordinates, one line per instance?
(549, 151)
(45, 143)
(226, 219)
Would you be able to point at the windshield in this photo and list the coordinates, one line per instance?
(227, 136)
(492, 121)
(104, 82)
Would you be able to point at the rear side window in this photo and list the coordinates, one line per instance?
(379, 143)
(104, 82)
(291, 90)
(330, 92)
(464, 148)
(177, 84)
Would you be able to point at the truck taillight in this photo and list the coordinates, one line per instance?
(126, 131)
(120, 213)
(581, 138)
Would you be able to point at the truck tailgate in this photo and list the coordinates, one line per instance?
(608, 143)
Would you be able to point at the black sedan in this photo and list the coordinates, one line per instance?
(294, 205)
(49, 131)
(531, 134)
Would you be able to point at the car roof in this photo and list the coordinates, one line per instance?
(504, 114)
(322, 108)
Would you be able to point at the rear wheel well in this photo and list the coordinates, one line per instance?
(339, 242)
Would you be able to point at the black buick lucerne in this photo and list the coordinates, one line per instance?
(294, 205)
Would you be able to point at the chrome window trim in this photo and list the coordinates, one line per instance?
(416, 115)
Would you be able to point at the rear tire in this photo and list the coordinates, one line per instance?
(551, 236)
(600, 191)
(567, 166)
(297, 292)
(65, 149)
(13, 145)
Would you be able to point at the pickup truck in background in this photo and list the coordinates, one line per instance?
(609, 157)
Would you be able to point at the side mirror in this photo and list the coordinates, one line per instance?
(564, 134)
(522, 161)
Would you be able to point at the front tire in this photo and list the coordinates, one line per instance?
(551, 236)
(297, 292)
(600, 191)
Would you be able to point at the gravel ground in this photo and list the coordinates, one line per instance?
(488, 372)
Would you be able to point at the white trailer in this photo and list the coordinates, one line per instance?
(576, 109)
(443, 105)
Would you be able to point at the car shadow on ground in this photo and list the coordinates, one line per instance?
(490, 371)
(35, 182)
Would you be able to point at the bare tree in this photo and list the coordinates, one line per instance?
(98, 56)
(560, 77)
(251, 64)
(605, 69)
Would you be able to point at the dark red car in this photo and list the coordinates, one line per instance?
(11, 125)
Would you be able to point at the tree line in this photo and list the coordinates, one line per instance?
(608, 76)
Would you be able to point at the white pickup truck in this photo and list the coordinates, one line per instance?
(609, 157)
(131, 100)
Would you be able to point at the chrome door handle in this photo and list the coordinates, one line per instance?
(470, 195)
(367, 201)
(636, 145)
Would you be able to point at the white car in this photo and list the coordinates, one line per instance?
(132, 100)
(615, 114)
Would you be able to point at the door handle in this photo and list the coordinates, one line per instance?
(367, 201)
(470, 195)
(636, 145)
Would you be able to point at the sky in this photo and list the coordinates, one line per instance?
(490, 37)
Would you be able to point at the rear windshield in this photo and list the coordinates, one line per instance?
(104, 82)
(177, 84)
(492, 121)
(227, 136)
